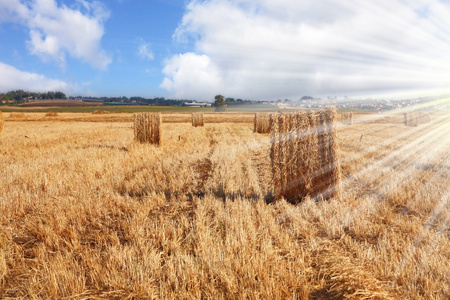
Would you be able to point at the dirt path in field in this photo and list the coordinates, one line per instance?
(204, 168)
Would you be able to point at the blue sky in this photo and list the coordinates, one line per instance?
(253, 49)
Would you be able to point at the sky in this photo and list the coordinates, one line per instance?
(249, 49)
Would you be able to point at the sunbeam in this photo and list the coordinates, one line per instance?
(255, 49)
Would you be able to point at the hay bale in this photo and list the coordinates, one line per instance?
(346, 118)
(424, 117)
(148, 128)
(51, 114)
(349, 119)
(197, 120)
(283, 144)
(304, 155)
(2, 122)
(262, 123)
(100, 112)
(329, 173)
(413, 118)
(275, 154)
(17, 116)
(298, 165)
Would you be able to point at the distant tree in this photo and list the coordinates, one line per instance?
(307, 98)
(60, 95)
(18, 95)
(219, 103)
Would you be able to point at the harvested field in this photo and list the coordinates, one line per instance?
(128, 117)
(2, 122)
(88, 213)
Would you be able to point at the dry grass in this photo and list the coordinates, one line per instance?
(147, 128)
(167, 117)
(262, 123)
(87, 213)
(304, 153)
(197, 120)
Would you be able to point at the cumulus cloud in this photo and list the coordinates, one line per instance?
(17, 79)
(12, 11)
(192, 76)
(269, 49)
(57, 30)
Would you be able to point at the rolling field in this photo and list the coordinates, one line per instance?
(88, 213)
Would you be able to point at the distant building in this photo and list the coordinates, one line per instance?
(195, 104)
(93, 100)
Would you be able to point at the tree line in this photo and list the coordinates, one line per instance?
(161, 101)
(21, 95)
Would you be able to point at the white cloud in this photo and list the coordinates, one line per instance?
(12, 11)
(17, 79)
(289, 48)
(145, 51)
(56, 31)
(191, 76)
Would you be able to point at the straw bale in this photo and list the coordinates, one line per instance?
(424, 117)
(415, 118)
(197, 119)
(304, 153)
(275, 154)
(329, 177)
(262, 123)
(148, 128)
(346, 118)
